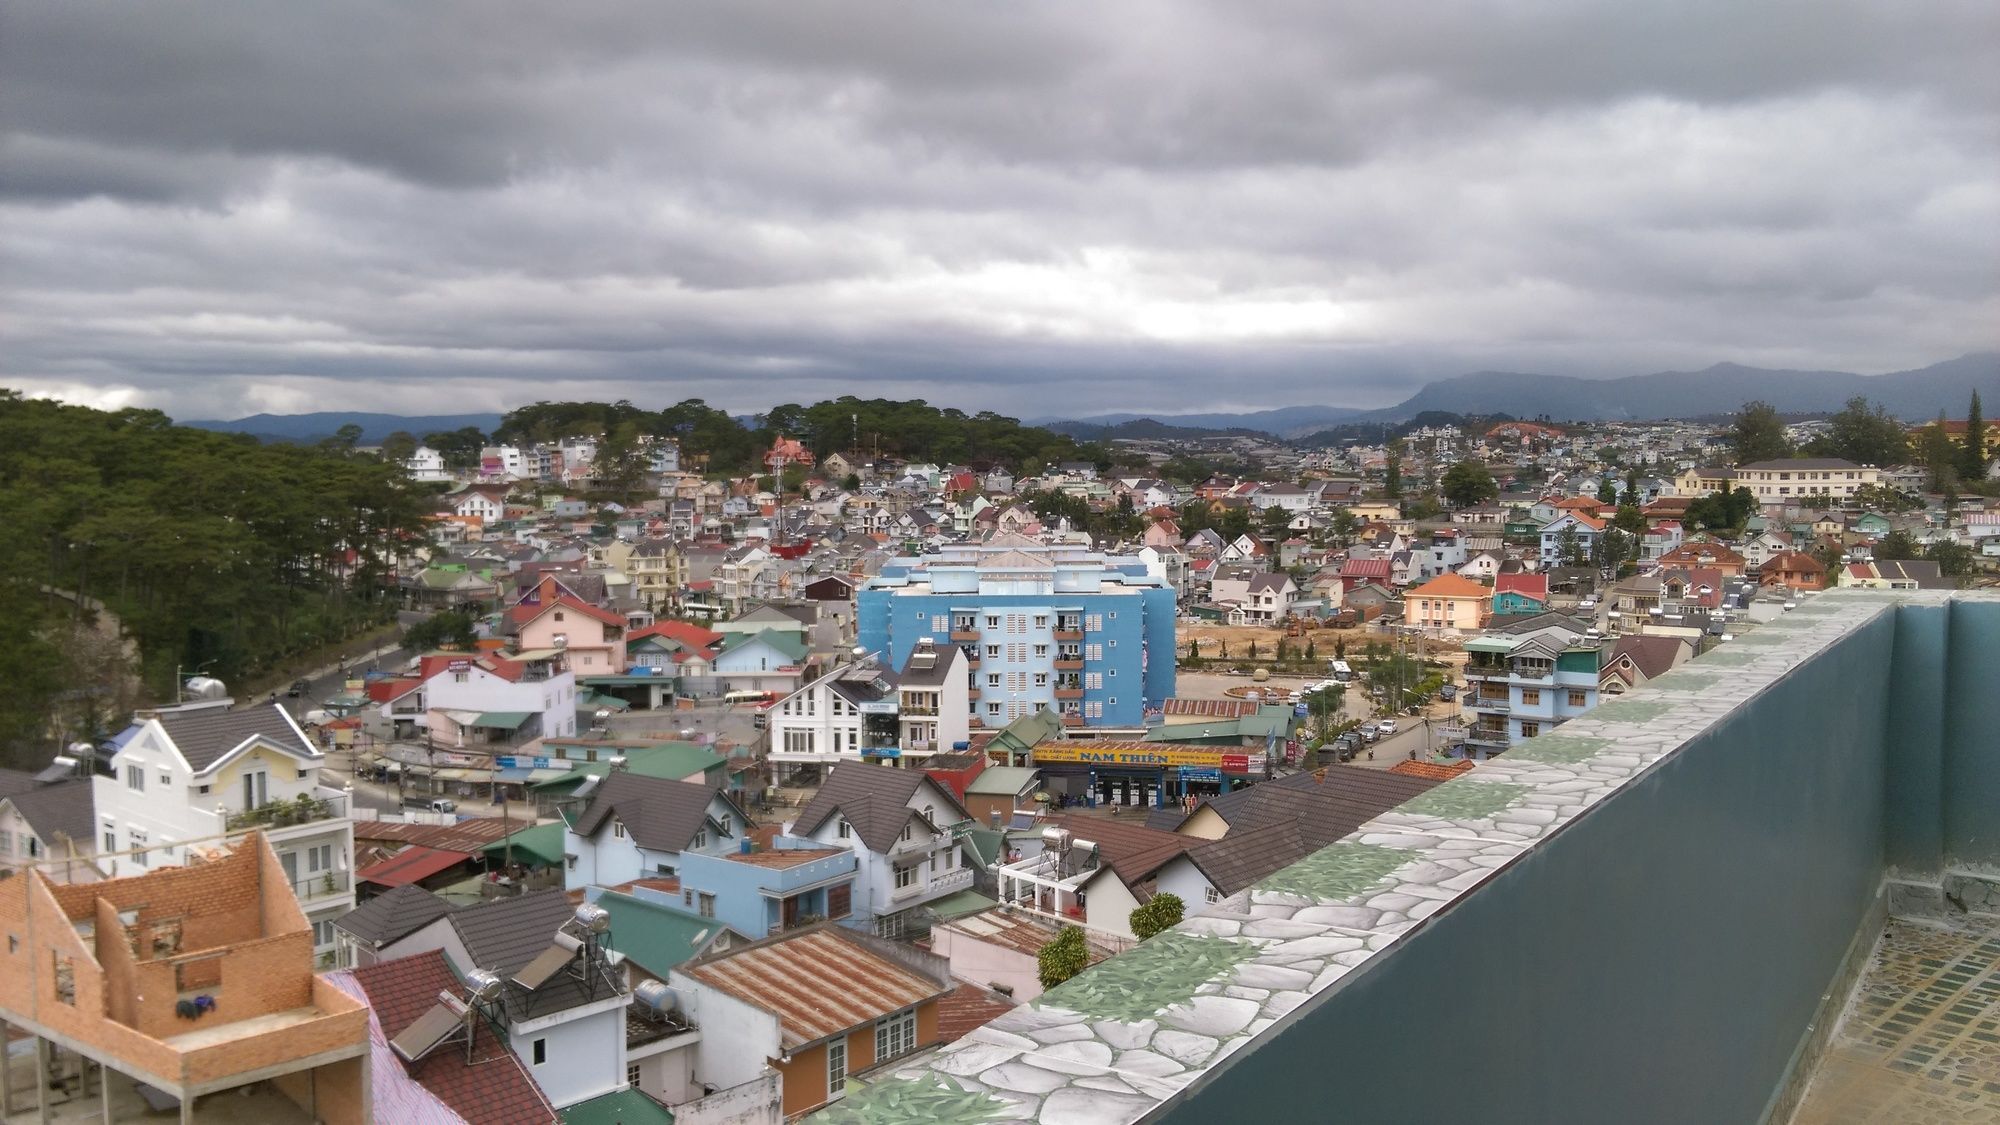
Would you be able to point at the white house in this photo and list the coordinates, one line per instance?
(426, 466)
(189, 777)
(51, 826)
(483, 505)
(861, 710)
(905, 832)
(468, 699)
(637, 827)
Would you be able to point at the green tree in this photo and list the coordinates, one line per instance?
(1866, 435)
(448, 629)
(1392, 472)
(1062, 957)
(1569, 547)
(1607, 490)
(1758, 435)
(1468, 484)
(1954, 559)
(1972, 465)
(459, 448)
(399, 447)
(1940, 457)
(851, 483)
(1194, 648)
(1630, 497)
(1897, 545)
(1160, 913)
(1275, 522)
(1630, 520)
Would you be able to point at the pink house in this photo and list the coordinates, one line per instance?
(551, 616)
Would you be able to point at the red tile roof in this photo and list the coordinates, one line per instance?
(411, 865)
(493, 1089)
(1450, 586)
(1436, 771)
(1533, 585)
(968, 1007)
(693, 636)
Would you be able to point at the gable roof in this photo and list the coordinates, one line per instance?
(60, 811)
(657, 937)
(389, 917)
(874, 799)
(411, 865)
(1133, 851)
(205, 735)
(1326, 804)
(818, 982)
(785, 642)
(494, 1087)
(1652, 655)
(660, 814)
(1531, 585)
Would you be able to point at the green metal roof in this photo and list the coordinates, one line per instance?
(542, 844)
(960, 904)
(1225, 731)
(657, 937)
(672, 760)
(790, 645)
(986, 843)
(623, 1107)
(1023, 733)
(1002, 781)
(502, 720)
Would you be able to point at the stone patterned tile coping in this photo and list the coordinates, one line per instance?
(1112, 1045)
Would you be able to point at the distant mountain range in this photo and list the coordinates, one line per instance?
(1911, 395)
(374, 427)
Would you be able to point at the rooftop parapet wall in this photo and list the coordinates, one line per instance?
(1633, 918)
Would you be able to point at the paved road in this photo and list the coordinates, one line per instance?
(326, 682)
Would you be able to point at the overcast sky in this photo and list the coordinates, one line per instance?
(1045, 209)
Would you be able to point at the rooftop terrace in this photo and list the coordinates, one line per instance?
(1656, 914)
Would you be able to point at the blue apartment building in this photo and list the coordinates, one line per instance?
(1088, 634)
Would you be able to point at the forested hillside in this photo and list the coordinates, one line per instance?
(216, 552)
(912, 430)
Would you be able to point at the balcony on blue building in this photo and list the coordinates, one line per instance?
(1761, 888)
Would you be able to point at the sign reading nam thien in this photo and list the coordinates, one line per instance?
(1113, 755)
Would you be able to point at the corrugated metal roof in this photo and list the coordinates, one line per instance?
(411, 865)
(1211, 708)
(818, 982)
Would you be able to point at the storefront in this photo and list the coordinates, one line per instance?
(1140, 774)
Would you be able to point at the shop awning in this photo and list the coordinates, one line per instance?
(502, 720)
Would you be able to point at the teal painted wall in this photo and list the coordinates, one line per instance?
(1971, 774)
(1657, 961)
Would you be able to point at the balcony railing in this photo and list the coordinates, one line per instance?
(958, 634)
(1069, 663)
(290, 813)
(323, 885)
(1069, 634)
(1069, 693)
(1496, 703)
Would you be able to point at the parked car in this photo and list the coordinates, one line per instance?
(1369, 732)
(1587, 603)
(430, 804)
(298, 688)
(1448, 692)
(1386, 726)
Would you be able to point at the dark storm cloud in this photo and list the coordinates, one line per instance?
(224, 207)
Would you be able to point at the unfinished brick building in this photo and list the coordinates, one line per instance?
(177, 984)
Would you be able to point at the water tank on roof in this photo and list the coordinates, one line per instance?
(484, 984)
(656, 998)
(592, 918)
(204, 687)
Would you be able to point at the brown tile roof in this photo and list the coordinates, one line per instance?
(1133, 850)
(1436, 771)
(968, 1007)
(661, 814)
(818, 982)
(1326, 803)
(493, 1089)
(875, 800)
(1245, 855)
(1022, 933)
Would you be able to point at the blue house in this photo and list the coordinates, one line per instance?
(770, 890)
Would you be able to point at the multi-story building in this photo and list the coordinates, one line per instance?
(658, 572)
(491, 699)
(191, 777)
(1088, 634)
(1777, 482)
(1528, 679)
(905, 830)
(864, 711)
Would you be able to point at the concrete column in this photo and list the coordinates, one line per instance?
(42, 1080)
(187, 1108)
(104, 1092)
(6, 1071)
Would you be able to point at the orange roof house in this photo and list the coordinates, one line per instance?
(1449, 601)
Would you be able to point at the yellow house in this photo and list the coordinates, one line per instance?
(1448, 601)
(1384, 510)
